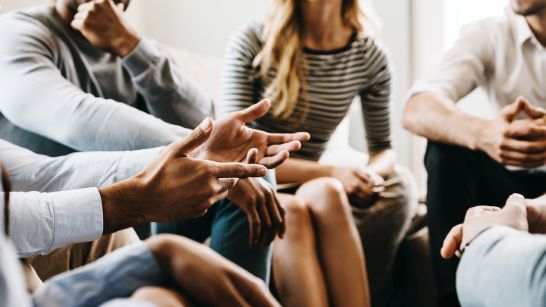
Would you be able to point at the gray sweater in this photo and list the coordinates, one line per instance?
(58, 94)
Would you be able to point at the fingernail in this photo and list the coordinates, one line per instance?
(206, 124)
(517, 195)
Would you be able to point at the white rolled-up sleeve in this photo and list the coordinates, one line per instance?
(42, 222)
(464, 66)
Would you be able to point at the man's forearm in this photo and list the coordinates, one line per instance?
(437, 118)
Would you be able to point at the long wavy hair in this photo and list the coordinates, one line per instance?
(282, 52)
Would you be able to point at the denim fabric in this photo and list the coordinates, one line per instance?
(228, 229)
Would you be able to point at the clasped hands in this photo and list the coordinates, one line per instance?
(516, 142)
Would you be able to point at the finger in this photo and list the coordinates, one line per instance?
(253, 112)
(525, 130)
(522, 164)
(253, 290)
(218, 197)
(363, 176)
(283, 214)
(280, 138)
(532, 111)
(77, 24)
(523, 146)
(274, 161)
(525, 158)
(511, 111)
(236, 170)
(516, 204)
(252, 156)
(85, 6)
(276, 217)
(452, 242)
(197, 137)
(254, 224)
(290, 146)
(265, 219)
(227, 184)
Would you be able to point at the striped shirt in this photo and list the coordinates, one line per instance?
(333, 79)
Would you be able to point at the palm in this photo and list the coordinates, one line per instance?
(231, 139)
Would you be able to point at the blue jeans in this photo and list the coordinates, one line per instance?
(228, 228)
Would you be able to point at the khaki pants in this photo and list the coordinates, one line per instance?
(382, 228)
(42, 267)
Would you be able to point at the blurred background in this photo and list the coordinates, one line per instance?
(415, 31)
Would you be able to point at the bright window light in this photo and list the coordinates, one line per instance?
(458, 13)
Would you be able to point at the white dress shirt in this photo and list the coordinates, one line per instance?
(499, 54)
(42, 222)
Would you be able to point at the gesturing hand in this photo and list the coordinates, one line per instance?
(259, 201)
(513, 142)
(478, 219)
(215, 281)
(102, 23)
(363, 186)
(173, 186)
(232, 139)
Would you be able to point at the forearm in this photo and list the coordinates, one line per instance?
(436, 117)
(382, 162)
(42, 222)
(169, 95)
(33, 172)
(503, 267)
(298, 171)
(116, 275)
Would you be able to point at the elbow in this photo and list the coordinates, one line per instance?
(410, 117)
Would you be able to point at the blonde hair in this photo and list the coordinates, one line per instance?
(282, 52)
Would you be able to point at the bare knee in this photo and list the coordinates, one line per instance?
(296, 209)
(325, 197)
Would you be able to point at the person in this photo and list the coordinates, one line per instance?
(128, 182)
(503, 261)
(312, 58)
(98, 85)
(473, 160)
(135, 275)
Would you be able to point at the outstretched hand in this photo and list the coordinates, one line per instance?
(232, 139)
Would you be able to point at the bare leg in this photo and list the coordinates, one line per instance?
(339, 245)
(296, 267)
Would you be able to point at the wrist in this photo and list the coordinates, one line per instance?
(120, 203)
(479, 129)
(125, 44)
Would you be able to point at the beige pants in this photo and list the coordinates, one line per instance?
(382, 229)
(43, 267)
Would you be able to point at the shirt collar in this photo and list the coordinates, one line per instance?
(521, 29)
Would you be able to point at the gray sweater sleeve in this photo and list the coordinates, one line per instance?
(35, 96)
(168, 94)
(503, 267)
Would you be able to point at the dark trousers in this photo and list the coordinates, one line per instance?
(459, 178)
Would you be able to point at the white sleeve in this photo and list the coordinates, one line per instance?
(42, 222)
(464, 66)
(29, 171)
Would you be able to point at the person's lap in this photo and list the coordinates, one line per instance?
(458, 179)
(228, 229)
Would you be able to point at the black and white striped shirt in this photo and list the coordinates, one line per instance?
(333, 79)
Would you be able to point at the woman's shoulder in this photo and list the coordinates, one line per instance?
(369, 44)
(250, 34)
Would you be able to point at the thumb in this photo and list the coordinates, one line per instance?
(510, 112)
(252, 156)
(195, 139)
(254, 111)
(516, 211)
(532, 111)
